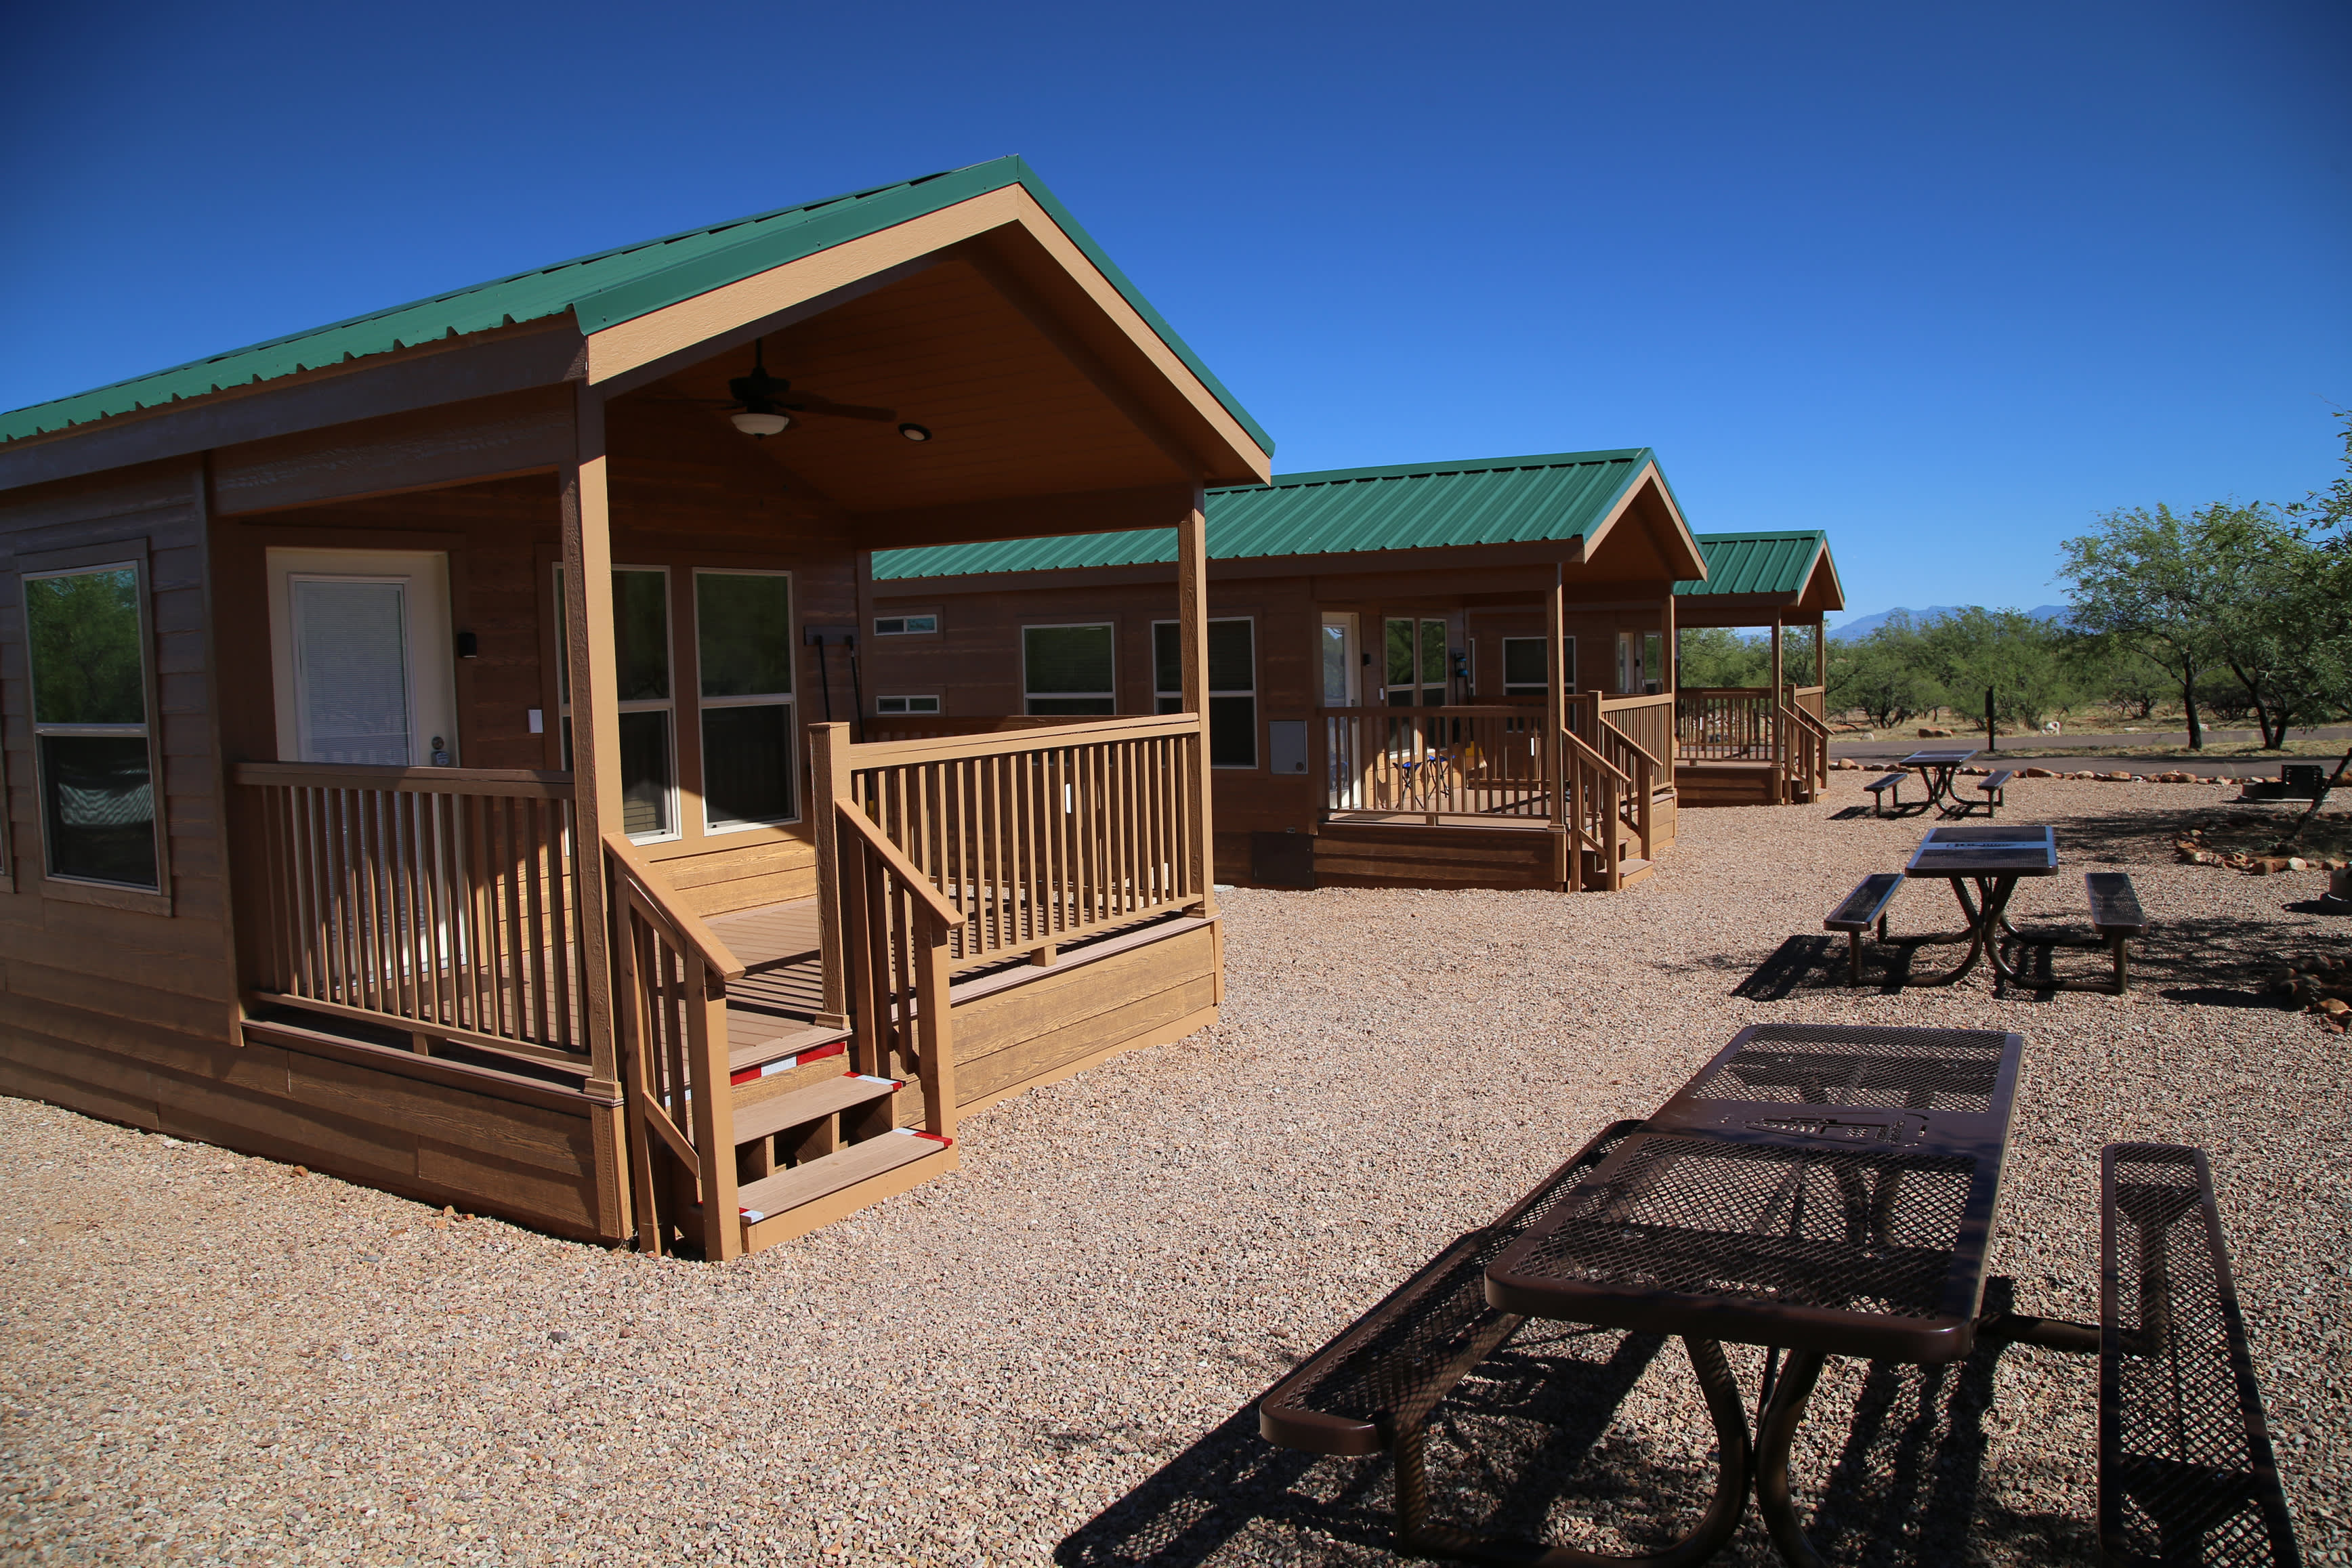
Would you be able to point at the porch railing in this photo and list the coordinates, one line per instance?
(897, 929)
(436, 898)
(669, 999)
(1746, 724)
(1725, 723)
(1437, 761)
(1597, 786)
(930, 726)
(1039, 837)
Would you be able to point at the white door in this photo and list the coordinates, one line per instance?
(1341, 661)
(362, 645)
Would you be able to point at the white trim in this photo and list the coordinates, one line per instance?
(1257, 749)
(789, 701)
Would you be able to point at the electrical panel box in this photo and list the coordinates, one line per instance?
(1285, 745)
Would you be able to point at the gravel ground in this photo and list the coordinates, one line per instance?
(1051, 1356)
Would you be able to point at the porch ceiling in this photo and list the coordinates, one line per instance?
(1010, 411)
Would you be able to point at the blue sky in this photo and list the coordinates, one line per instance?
(1946, 282)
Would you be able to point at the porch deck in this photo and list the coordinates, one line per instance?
(772, 1011)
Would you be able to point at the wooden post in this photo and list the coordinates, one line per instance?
(1780, 728)
(934, 1024)
(588, 657)
(1193, 627)
(1568, 864)
(714, 1112)
(1822, 661)
(1670, 682)
(829, 782)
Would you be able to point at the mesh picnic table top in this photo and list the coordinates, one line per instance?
(1815, 1187)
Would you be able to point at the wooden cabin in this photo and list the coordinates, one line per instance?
(1436, 674)
(424, 741)
(1736, 746)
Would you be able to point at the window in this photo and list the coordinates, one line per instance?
(1524, 672)
(906, 704)
(1233, 686)
(1416, 666)
(642, 685)
(905, 625)
(1641, 662)
(86, 641)
(1067, 669)
(743, 638)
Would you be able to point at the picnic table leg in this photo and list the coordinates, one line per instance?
(1975, 938)
(1736, 1469)
(1773, 1441)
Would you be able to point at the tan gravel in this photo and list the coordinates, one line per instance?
(1050, 1355)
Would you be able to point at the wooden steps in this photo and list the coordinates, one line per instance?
(779, 1112)
(817, 1192)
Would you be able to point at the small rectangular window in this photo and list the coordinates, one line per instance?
(86, 652)
(1068, 669)
(744, 637)
(641, 669)
(1233, 686)
(1524, 672)
(905, 704)
(905, 625)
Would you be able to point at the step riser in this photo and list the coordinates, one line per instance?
(759, 1235)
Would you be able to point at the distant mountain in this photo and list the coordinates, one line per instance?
(1864, 625)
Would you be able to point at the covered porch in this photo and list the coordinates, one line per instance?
(541, 824)
(1767, 745)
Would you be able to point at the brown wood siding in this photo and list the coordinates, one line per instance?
(1032, 1033)
(96, 1001)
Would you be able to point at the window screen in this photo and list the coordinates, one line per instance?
(1524, 674)
(86, 654)
(1233, 686)
(744, 638)
(1068, 669)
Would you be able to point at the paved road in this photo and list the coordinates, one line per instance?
(2050, 751)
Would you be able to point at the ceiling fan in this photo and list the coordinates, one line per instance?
(765, 406)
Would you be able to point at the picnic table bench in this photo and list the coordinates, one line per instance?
(1891, 783)
(1863, 908)
(1892, 1139)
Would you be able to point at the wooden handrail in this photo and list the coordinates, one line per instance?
(688, 927)
(1490, 710)
(1003, 742)
(527, 784)
(905, 870)
(1635, 747)
(1590, 757)
(1636, 699)
(1809, 722)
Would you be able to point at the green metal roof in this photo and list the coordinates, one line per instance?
(606, 288)
(1776, 562)
(1413, 506)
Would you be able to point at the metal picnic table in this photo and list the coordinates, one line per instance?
(1993, 858)
(1936, 770)
(1820, 1190)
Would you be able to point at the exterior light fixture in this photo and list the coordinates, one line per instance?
(755, 421)
(914, 433)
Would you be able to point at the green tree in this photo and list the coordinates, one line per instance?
(2017, 657)
(1719, 656)
(2138, 577)
(1883, 674)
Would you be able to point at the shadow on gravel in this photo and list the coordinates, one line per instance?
(1552, 1437)
(1792, 963)
(2336, 907)
(2195, 960)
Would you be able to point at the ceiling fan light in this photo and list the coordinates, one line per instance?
(914, 433)
(754, 423)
